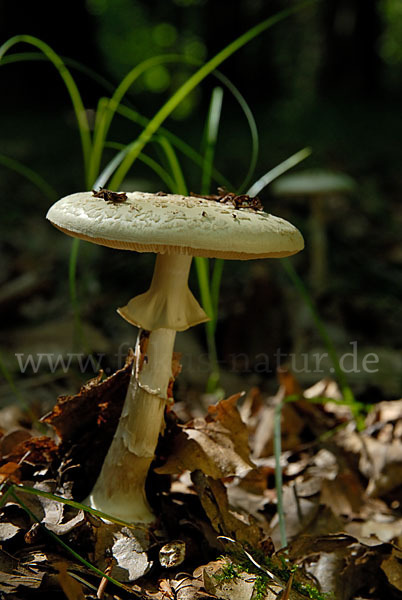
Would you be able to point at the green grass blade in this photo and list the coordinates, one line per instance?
(278, 448)
(284, 166)
(192, 82)
(202, 264)
(202, 267)
(100, 114)
(212, 127)
(186, 149)
(30, 175)
(69, 82)
(110, 168)
(83, 581)
(150, 162)
(278, 473)
(252, 127)
(4, 495)
(180, 186)
(215, 287)
(219, 263)
(211, 136)
(116, 160)
(34, 492)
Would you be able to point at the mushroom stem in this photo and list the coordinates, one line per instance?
(319, 251)
(120, 487)
(167, 307)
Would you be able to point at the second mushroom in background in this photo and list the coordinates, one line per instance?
(318, 187)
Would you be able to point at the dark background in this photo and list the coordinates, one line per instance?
(328, 77)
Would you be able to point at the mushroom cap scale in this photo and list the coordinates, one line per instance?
(176, 224)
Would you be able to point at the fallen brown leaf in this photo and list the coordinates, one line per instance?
(10, 440)
(224, 520)
(99, 401)
(216, 445)
(37, 452)
(10, 472)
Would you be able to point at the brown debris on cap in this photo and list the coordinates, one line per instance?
(109, 196)
(237, 201)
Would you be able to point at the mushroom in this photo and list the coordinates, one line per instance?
(176, 228)
(316, 185)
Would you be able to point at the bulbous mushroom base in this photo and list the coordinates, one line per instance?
(119, 491)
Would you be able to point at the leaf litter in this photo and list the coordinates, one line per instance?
(213, 488)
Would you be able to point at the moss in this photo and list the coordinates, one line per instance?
(260, 587)
(229, 571)
(279, 566)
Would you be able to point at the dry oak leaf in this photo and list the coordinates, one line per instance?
(216, 445)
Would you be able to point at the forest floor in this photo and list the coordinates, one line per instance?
(212, 489)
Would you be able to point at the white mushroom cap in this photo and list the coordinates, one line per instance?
(313, 182)
(175, 224)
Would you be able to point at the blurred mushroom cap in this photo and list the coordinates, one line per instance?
(313, 182)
